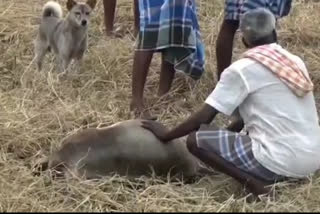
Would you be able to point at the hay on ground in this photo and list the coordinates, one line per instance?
(37, 112)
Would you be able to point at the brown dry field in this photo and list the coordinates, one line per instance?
(37, 112)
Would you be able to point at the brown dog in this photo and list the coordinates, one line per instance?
(124, 148)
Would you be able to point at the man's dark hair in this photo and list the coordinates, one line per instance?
(272, 38)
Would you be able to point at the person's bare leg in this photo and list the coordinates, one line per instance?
(141, 64)
(236, 125)
(256, 186)
(166, 77)
(109, 11)
(224, 45)
(136, 14)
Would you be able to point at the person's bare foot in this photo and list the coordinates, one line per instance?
(254, 191)
(117, 33)
(109, 33)
(257, 187)
(162, 93)
(163, 96)
(141, 112)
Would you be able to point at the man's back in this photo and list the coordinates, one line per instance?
(283, 127)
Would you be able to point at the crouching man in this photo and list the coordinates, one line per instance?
(271, 90)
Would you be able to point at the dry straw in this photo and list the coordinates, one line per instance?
(37, 112)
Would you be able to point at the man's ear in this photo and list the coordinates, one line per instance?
(245, 43)
(70, 4)
(92, 3)
(275, 36)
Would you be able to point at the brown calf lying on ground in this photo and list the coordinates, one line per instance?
(124, 148)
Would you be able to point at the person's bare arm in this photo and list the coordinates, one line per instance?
(204, 116)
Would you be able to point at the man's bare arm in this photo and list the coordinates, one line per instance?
(204, 116)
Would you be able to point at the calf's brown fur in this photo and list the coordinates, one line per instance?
(124, 148)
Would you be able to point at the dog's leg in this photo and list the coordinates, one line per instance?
(80, 54)
(64, 63)
(78, 63)
(59, 64)
(41, 48)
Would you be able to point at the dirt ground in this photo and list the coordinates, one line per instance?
(37, 112)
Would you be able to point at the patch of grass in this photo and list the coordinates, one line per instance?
(37, 112)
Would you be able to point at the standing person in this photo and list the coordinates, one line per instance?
(272, 91)
(109, 11)
(171, 28)
(233, 10)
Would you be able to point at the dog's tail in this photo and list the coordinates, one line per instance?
(52, 9)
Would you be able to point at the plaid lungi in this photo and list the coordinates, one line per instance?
(235, 148)
(235, 8)
(171, 26)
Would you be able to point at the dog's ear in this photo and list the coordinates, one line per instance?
(70, 4)
(92, 3)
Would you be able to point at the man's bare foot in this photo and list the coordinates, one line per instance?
(162, 93)
(254, 191)
(257, 188)
(141, 112)
(145, 114)
(163, 96)
(109, 33)
(114, 34)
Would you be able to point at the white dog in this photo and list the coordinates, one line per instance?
(66, 37)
